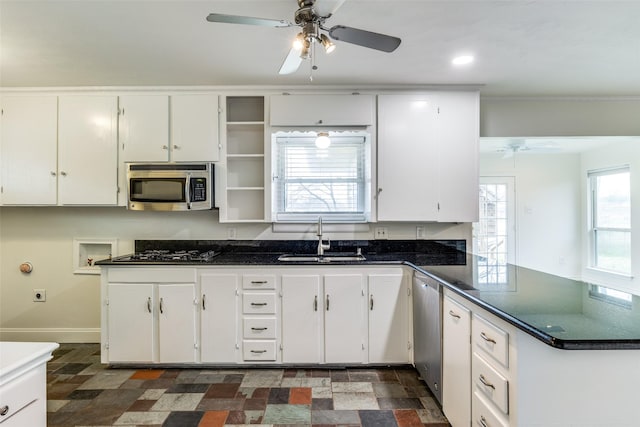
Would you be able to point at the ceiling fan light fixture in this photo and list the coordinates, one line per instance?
(322, 140)
(298, 42)
(327, 44)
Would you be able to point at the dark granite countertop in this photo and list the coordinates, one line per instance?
(560, 312)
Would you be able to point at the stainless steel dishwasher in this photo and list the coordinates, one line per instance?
(427, 335)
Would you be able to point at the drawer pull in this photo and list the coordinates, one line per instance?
(258, 304)
(4, 410)
(258, 351)
(258, 329)
(453, 314)
(259, 282)
(485, 383)
(483, 421)
(486, 338)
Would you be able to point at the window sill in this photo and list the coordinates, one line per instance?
(282, 227)
(609, 273)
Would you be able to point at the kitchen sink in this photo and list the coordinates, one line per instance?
(321, 258)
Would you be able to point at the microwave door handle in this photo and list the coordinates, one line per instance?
(187, 191)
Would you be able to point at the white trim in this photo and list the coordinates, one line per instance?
(66, 335)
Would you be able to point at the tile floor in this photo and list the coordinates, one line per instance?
(83, 392)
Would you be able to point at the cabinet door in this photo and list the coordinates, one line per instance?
(388, 319)
(301, 315)
(344, 318)
(28, 168)
(194, 128)
(456, 363)
(322, 110)
(218, 318)
(87, 150)
(176, 325)
(130, 319)
(458, 139)
(407, 158)
(144, 128)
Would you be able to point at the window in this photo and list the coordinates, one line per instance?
(493, 237)
(330, 182)
(610, 231)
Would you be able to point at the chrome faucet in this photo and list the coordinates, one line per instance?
(321, 246)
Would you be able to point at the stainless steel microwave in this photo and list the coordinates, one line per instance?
(170, 186)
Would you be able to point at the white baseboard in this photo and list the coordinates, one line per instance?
(60, 335)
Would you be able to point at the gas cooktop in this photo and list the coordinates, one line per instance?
(151, 256)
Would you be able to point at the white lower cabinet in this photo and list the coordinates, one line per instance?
(388, 321)
(256, 315)
(218, 317)
(339, 316)
(456, 363)
(150, 315)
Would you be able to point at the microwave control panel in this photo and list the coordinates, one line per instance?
(198, 190)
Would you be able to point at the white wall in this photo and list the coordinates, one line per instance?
(44, 236)
(548, 197)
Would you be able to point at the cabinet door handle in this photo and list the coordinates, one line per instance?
(258, 351)
(371, 303)
(53, 173)
(4, 410)
(204, 296)
(486, 338)
(315, 303)
(164, 147)
(454, 314)
(258, 329)
(327, 302)
(483, 421)
(161, 308)
(485, 383)
(63, 173)
(176, 147)
(149, 304)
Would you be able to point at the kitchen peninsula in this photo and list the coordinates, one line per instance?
(535, 350)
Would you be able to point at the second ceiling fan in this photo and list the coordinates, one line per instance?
(311, 23)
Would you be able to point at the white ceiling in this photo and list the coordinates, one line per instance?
(552, 47)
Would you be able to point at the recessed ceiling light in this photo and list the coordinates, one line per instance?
(462, 60)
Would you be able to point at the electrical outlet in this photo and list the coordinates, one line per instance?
(420, 233)
(381, 233)
(39, 295)
(232, 233)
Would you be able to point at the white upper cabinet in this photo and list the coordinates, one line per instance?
(458, 135)
(87, 150)
(407, 163)
(428, 157)
(144, 128)
(194, 128)
(322, 110)
(28, 151)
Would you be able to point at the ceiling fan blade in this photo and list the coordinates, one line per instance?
(365, 38)
(326, 8)
(235, 19)
(291, 62)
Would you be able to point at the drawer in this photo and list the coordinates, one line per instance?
(490, 339)
(18, 394)
(259, 303)
(490, 383)
(259, 350)
(259, 327)
(258, 281)
(482, 415)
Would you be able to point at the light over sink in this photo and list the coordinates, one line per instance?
(321, 258)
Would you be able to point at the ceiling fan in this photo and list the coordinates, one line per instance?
(311, 20)
(518, 145)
